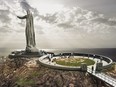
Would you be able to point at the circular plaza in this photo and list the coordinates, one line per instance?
(74, 61)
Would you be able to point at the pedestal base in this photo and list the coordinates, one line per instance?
(25, 54)
(31, 50)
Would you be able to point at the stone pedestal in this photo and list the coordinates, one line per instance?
(31, 49)
(25, 54)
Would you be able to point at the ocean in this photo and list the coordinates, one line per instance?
(109, 52)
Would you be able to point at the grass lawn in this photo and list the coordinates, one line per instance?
(74, 61)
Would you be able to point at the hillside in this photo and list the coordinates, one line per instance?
(31, 74)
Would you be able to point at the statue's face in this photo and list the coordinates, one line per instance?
(28, 12)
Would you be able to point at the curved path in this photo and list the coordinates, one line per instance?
(45, 62)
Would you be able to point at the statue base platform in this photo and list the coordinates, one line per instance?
(31, 50)
(25, 54)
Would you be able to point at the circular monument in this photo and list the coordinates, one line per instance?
(75, 61)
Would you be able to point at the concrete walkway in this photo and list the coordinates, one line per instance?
(108, 79)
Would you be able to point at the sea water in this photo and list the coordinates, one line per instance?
(109, 52)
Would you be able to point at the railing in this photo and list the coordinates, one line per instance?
(103, 77)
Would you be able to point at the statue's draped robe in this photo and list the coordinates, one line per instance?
(30, 34)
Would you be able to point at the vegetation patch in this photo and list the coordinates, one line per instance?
(25, 82)
(74, 61)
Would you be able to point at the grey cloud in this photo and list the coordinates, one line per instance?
(36, 12)
(77, 17)
(105, 21)
(40, 32)
(25, 5)
(48, 17)
(5, 29)
(4, 16)
(39, 29)
(66, 25)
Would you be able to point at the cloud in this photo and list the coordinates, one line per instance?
(84, 20)
(25, 5)
(4, 16)
(74, 27)
(66, 25)
(105, 21)
(75, 18)
(5, 29)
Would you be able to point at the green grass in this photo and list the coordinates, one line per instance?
(25, 82)
(35, 74)
(74, 61)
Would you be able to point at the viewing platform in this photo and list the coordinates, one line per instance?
(47, 61)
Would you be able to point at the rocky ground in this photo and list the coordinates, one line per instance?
(27, 73)
(112, 71)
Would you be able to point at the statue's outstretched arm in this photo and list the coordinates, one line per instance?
(22, 17)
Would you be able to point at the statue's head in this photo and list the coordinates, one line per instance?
(28, 11)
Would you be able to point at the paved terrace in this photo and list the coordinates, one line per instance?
(46, 62)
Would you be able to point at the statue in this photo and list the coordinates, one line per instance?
(29, 32)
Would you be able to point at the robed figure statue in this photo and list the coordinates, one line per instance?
(29, 32)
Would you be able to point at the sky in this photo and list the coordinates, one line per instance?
(59, 23)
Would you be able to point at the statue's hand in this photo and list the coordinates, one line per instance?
(21, 17)
(18, 17)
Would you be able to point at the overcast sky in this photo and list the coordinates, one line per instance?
(60, 23)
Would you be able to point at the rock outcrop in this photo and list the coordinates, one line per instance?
(39, 76)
